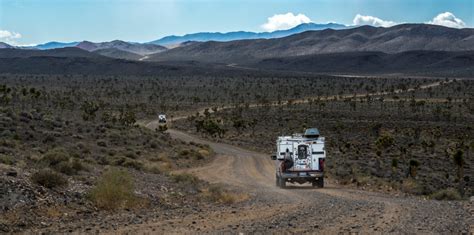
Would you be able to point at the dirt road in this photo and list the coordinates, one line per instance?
(303, 209)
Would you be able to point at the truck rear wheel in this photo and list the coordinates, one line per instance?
(280, 182)
(318, 183)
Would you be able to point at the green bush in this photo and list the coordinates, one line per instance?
(48, 179)
(446, 194)
(385, 141)
(185, 178)
(55, 156)
(7, 160)
(114, 190)
(127, 162)
(70, 167)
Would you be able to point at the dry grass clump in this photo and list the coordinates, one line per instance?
(217, 194)
(446, 194)
(409, 185)
(114, 190)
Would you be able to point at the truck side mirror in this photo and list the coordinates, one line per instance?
(274, 157)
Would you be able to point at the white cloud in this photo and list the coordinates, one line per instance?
(284, 21)
(9, 37)
(448, 19)
(371, 20)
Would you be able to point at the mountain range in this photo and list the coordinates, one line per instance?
(419, 49)
(171, 41)
(396, 39)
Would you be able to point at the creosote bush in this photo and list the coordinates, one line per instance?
(114, 190)
(184, 178)
(446, 194)
(48, 178)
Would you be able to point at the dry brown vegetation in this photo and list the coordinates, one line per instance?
(60, 135)
(418, 144)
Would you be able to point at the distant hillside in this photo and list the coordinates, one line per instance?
(135, 48)
(5, 45)
(118, 54)
(231, 36)
(411, 62)
(396, 39)
(54, 45)
(60, 52)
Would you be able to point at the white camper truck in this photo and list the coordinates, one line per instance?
(161, 118)
(300, 159)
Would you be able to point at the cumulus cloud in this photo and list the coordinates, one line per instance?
(284, 21)
(448, 19)
(371, 20)
(9, 37)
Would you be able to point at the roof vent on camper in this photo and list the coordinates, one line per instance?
(311, 133)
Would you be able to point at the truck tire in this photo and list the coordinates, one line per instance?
(320, 182)
(282, 183)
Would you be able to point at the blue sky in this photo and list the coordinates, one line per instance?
(36, 21)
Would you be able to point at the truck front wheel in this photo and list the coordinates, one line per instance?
(282, 183)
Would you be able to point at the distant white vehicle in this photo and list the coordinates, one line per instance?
(161, 118)
(300, 158)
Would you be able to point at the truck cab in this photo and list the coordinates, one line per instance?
(300, 159)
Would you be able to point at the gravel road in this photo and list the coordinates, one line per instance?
(303, 209)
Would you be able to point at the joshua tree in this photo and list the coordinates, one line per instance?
(458, 159)
(414, 164)
(89, 109)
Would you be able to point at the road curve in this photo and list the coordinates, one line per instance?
(303, 209)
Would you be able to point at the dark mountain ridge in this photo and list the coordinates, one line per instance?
(396, 39)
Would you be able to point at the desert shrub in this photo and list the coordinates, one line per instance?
(154, 144)
(70, 167)
(7, 160)
(127, 162)
(48, 178)
(446, 194)
(411, 186)
(184, 178)
(414, 164)
(55, 156)
(137, 165)
(114, 190)
(162, 128)
(217, 194)
(384, 141)
(131, 155)
(65, 168)
(184, 152)
(152, 168)
(102, 143)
